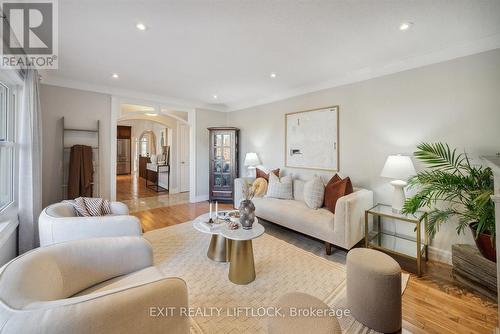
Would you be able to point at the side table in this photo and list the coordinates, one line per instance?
(407, 246)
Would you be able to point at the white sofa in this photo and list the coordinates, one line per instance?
(343, 229)
(58, 223)
(92, 286)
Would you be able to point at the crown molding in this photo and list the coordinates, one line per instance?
(445, 54)
(165, 101)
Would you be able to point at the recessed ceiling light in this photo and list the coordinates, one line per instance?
(151, 114)
(273, 75)
(141, 26)
(215, 97)
(115, 76)
(405, 26)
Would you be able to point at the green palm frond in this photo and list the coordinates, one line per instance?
(440, 156)
(452, 182)
(436, 218)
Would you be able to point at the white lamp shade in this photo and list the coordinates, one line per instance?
(398, 167)
(251, 159)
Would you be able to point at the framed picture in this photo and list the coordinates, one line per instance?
(312, 139)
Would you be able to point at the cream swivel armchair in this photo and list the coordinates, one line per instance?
(58, 223)
(92, 286)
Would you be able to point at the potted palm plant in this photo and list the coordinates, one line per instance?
(452, 187)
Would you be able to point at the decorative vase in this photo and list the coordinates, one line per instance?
(247, 214)
(484, 243)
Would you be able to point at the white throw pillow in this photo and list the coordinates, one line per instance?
(280, 188)
(153, 158)
(314, 192)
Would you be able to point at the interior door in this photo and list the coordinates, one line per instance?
(183, 158)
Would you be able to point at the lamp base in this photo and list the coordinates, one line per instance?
(398, 195)
(252, 171)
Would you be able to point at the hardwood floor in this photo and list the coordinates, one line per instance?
(433, 303)
(171, 215)
(133, 187)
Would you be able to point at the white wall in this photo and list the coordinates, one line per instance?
(204, 119)
(454, 102)
(81, 109)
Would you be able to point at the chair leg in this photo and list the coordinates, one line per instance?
(328, 248)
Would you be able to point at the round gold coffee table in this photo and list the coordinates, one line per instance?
(219, 249)
(234, 246)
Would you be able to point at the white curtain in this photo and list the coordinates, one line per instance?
(29, 139)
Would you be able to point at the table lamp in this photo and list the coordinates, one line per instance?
(251, 161)
(400, 168)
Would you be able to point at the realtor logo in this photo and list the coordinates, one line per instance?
(29, 34)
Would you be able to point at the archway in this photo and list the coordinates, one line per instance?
(172, 122)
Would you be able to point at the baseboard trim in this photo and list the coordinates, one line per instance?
(439, 255)
(200, 198)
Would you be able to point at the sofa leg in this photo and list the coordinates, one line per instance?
(328, 248)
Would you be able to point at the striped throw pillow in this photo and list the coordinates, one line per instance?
(89, 206)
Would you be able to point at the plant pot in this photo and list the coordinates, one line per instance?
(484, 243)
(247, 214)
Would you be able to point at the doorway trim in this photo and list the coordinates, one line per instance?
(116, 102)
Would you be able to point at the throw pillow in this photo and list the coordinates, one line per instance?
(280, 188)
(314, 193)
(335, 189)
(88, 206)
(79, 206)
(259, 187)
(260, 173)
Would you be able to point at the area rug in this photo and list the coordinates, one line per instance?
(219, 306)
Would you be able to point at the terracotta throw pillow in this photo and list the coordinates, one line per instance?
(264, 175)
(335, 189)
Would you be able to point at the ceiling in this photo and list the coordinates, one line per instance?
(195, 49)
(135, 108)
(151, 112)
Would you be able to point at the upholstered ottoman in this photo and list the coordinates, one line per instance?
(374, 289)
(293, 323)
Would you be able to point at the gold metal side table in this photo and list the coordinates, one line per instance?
(385, 236)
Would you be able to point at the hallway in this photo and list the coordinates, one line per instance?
(132, 190)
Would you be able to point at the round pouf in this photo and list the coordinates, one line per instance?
(293, 323)
(374, 289)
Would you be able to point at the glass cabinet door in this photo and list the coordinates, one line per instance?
(222, 162)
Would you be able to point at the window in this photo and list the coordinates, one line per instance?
(144, 146)
(147, 143)
(6, 146)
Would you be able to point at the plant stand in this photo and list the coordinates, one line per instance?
(474, 271)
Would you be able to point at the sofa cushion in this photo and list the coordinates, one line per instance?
(295, 215)
(335, 189)
(280, 188)
(298, 190)
(314, 192)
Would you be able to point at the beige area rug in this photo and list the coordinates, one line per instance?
(280, 268)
